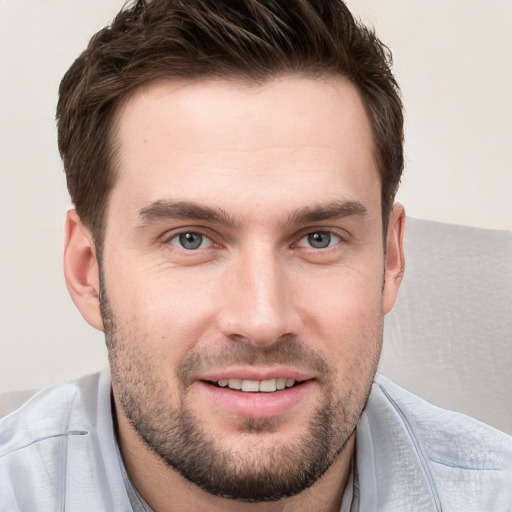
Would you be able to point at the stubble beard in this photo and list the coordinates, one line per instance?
(179, 438)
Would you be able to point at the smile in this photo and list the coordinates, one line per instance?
(252, 397)
(257, 386)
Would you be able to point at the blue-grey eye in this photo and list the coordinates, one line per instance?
(191, 241)
(319, 240)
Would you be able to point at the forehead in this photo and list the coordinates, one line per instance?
(291, 103)
(273, 139)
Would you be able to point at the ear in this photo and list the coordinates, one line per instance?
(81, 269)
(395, 263)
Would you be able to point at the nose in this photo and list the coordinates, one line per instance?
(258, 299)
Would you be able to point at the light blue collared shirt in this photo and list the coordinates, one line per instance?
(58, 453)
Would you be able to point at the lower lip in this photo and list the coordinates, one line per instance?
(258, 405)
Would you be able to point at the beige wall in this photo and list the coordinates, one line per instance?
(453, 62)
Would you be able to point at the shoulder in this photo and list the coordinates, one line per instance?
(459, 460)
(62, 440)
(448, 437)
(54, 411)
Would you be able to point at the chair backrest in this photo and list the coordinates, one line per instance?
(449, 338)
(11, 400)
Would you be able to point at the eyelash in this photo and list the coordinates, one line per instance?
(176, 236)
(330, 234)
(304, 236)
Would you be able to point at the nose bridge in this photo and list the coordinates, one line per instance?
(258, 308)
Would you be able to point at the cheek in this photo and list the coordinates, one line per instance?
(165, 313)
(344, 311)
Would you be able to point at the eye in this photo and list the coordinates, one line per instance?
(319, 240)
(191, 240)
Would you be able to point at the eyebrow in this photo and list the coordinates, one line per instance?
(330, 211)
(164, 210)
(167, 209)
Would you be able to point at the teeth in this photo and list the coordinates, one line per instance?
(235, 383)
(254, 386)
(250, 385)
(268, 386)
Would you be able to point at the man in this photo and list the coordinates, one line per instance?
(233, 167)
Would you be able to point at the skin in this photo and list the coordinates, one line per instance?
(281, 160)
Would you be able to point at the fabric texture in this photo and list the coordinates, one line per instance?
(58, 453)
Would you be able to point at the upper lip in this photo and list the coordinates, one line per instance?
(254, 373)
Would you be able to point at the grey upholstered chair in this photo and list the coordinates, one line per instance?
(449, 338)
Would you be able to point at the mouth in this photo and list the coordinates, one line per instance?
(257, 392)
(256, 386)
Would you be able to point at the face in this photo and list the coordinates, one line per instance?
(243, 278)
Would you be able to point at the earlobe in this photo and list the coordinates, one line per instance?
(395, 262)
(81, 269)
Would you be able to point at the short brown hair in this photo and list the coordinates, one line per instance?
(194, 39)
